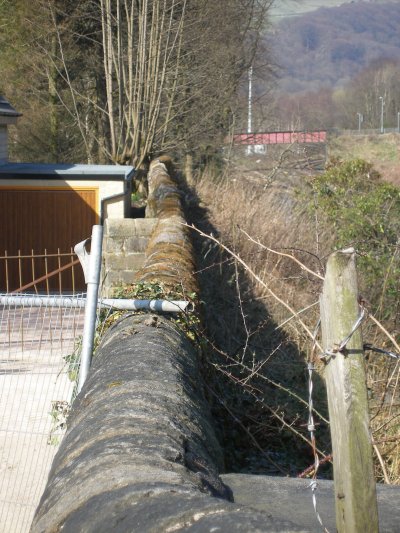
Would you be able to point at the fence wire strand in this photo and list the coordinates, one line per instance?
(311, 426)
(326, 356)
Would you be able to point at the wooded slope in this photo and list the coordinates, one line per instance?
(330, 46)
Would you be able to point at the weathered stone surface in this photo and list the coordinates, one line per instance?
(136, 244)
(126, 261)
(140, 454)
(291, 499)
(170, 510)
(169, 254)
(240, 521)
(140, 413)
(124, 244)
(164, 198)
(127, 227)
(116, 279)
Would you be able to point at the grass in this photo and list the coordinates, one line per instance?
(260, 386)
(383, 151)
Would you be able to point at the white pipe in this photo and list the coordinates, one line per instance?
(249, 110)
(91, 303)
(23, 300)
(160, 306)
(157, 306)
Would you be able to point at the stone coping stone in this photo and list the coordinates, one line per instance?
(128, 227)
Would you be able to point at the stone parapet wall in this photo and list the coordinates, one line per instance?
(124, 245)
(169, 254)
(140, 453)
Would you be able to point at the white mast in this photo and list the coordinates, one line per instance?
(249, 110)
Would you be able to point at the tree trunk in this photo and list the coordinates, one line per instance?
(53, 99)
(189, 169)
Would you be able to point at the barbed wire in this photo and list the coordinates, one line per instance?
(327, 355)
(370, 348)
(311, 426)
(341, 348)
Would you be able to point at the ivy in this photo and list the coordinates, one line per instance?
(189, 321)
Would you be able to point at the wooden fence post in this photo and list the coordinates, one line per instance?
(355, 491)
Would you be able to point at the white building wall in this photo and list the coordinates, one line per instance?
(3, 144)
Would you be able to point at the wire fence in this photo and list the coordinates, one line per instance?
(363, 131)
(326, 356)
(38, 360)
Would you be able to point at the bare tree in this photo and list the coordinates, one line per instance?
(133, 78)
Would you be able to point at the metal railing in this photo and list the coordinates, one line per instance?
(43, 273)
(42, 339)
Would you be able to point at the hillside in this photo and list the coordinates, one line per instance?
(328, 47)
(291, 8)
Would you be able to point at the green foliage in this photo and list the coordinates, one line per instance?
(72, 360)
(153, 291)
(189, 321)
(137, 197)
(59, 417)
(364, 212)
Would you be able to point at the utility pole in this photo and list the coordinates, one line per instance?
(382, 99)
(249, 111)
(360, 120)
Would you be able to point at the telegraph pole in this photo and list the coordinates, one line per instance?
(249, 111)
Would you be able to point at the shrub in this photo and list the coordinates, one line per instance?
(364, 212)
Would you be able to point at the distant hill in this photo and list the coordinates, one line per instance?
(292, 8)
(329, 46)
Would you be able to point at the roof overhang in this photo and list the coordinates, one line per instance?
(58, 171)
(8, 115)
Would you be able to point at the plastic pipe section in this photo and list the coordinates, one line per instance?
(157, 306)
(93, 279)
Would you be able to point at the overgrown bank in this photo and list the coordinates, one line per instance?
(284, 233)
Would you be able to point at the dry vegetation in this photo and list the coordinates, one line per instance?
(272, 269)
(383, 151)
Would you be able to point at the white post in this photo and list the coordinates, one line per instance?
(360, 120)
(249, 113)
(93, 279)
